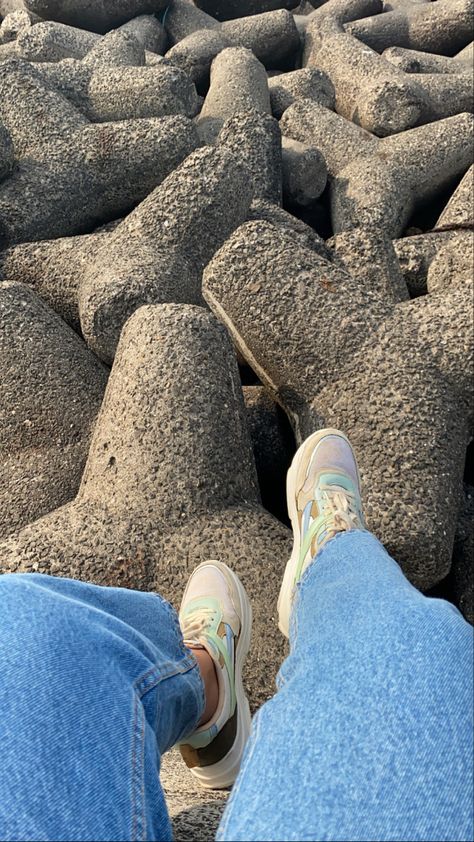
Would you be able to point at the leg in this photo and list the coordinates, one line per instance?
(370, 734)
(95, 685)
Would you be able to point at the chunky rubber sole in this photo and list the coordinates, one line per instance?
(294, 482)
(222, 775)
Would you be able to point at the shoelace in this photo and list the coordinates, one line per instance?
(195, 623)
(340, 507)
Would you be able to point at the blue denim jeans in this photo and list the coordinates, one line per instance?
(95, 684)
(368, 738)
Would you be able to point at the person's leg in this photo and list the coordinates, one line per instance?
(95, 684)
(369, 736)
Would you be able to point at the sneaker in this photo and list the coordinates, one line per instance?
(216, 614)
(323, 495)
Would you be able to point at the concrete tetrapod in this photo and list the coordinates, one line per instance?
(445, 94)
(452, 262)
(460, 209)
(407, 170)
(272, 37)
(183, 18)
(158, 252)
(50, 41)
(74, 175)
(339, 140)
(14, 22)
(52, 388)
(116, 48)
(255, 139)
(7, 6)
(7, 50)
(299, 231)
(304, 172)
(238, 84)
(416, 253)
(346, 10)
(195, 54)
(116, 93)
(53, 270)
(96, 15)
(396, 5)
(415, 61)
(148, 31)
(466, 55)
(443, 27)
(229, 9)
(395, 376)
(370, 258)
(170, 480)
(369, 90)
(307, 83)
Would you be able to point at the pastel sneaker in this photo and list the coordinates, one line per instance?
(323, 495)
(216, 614)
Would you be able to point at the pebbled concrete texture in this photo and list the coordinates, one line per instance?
(194, 813)
(304, 172)
(452, 264)
(158, 252)
(52, 389)
(96, 15)
(238, 84)
(255, 140)
(459, 210)
(14, 22)
(225, 9)
(415, 61)
(53, 270)
(369, 91)
(417, 252)
(307, 83)
(407, 170)
(444, 28)
(74, 175)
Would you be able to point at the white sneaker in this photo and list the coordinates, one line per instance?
(323, 495)
(216, 614)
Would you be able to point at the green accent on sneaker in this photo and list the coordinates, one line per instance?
(318, 528)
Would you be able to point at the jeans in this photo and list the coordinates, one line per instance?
(368, 738)
(95, 684)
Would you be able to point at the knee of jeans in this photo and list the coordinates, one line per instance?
(35, 623)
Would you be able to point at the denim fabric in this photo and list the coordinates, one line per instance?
(95, 684)
(370, 734)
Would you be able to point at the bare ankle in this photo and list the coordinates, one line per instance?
(210, 682)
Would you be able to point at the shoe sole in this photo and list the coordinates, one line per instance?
(222, 775)
(294, 481)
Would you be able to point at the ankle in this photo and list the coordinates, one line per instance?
(210, 682)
